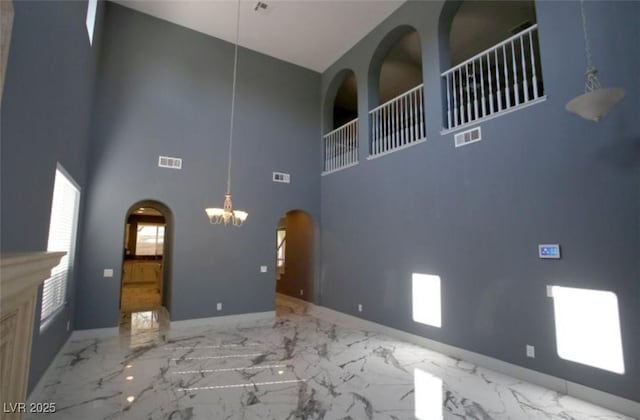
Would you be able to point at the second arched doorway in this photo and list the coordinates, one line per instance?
(146, 266)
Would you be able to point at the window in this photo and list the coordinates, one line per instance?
(62, 237)
(588, 327)
(150, 239)
(91, 18)
(426, 299)
(282, 243)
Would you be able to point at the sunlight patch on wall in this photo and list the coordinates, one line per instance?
(588, 327)
(426, 299)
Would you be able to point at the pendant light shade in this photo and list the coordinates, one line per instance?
(596, 102)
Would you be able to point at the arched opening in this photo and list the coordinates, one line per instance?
(401, 68)
(294, 245)
(396, 92)
(490, 57)
(340, 143)
(345, 104)
(145, 287)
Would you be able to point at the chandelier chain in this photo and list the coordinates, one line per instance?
(587, 44)
(233, 96)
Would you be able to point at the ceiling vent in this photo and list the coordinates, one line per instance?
(169, 162)
(469, 136)
(281, 177)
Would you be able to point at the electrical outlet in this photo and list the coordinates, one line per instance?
(219, 306)
(359, 307)
(531, 351)
(263, 268)
(68, 325)
(301, 292)
(108, 272)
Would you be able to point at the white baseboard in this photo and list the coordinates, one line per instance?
(226, 320)
(562, 386)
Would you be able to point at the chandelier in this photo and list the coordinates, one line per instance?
(227, 215)
(596, 101)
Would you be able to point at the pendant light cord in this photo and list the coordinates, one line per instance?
(587, 44)
(233, 97)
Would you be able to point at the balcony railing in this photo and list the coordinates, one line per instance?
(341, 147)
(498, 80)
(398, 123)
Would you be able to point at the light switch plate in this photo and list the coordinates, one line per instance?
(219, 306)
(108, 272)
(263, 268)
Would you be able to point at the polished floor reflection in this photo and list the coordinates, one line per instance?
(296, 367)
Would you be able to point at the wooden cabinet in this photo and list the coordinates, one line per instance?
(20, 277)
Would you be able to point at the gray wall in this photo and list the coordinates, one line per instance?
(166, 90)
(46, 108)
(299, 257)
(475, 215)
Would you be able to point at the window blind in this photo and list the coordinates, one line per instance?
(62, 235)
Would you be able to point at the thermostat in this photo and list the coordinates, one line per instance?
(549, 251)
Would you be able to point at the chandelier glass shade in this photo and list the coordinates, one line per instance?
(227, 215)
(596, 102)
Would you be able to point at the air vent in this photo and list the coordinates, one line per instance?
(469, 136)
(281, 177)
(169, 162)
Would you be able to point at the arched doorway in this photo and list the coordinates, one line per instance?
(294, 243)
(146, 267)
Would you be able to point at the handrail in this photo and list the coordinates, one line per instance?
(353, 121)
(490, 49)
(420, 86)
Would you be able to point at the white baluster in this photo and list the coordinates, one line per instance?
(475, 92)
(448, 103)
(525, 83)
(482, 100)
(515, 73)
(466, 68)
(455, 101)
(462, 119)
(507, 87)
(420, 114)
(498, 92)
(534, 80)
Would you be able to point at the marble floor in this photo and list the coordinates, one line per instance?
(296, 367)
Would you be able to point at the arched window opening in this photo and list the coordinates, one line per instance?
(340, 145)
(494, 54)
(398, 120)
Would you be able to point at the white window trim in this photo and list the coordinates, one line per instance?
(44, 323)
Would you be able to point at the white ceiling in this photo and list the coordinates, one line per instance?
(309, 33)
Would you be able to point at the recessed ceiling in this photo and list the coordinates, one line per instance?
(309, 33)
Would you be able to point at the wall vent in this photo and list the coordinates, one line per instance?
(169, 162)
(469, 136)
(281, 177)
